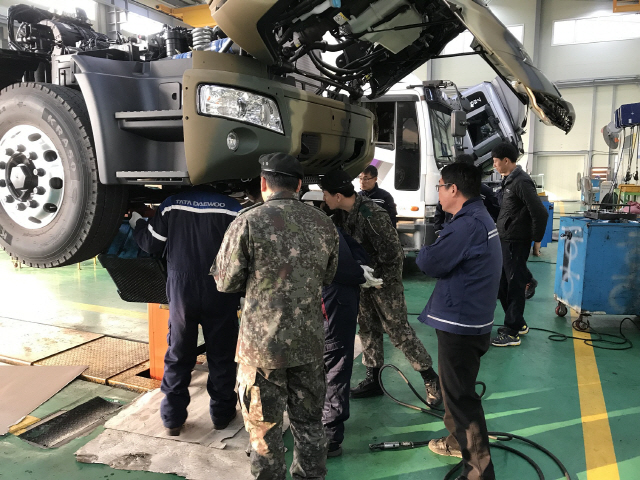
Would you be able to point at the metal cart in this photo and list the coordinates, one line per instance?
(598, 266)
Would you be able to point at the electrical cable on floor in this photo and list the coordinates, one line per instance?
(581, 324)
(497, 436)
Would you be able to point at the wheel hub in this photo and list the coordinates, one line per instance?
(31, 177)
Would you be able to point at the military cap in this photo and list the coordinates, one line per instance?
(335, 180)
(279, 162)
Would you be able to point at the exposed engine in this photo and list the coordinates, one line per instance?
(378, 43)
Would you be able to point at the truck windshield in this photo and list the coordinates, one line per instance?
(443, 144)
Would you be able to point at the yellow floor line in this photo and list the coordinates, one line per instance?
(598, 442)
(109, 310)
(561, 207)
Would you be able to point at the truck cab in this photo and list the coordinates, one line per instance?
(414, 142)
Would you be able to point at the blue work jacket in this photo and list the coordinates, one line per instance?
(188, 228)
(467, 261)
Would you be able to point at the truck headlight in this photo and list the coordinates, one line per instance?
(240, 105)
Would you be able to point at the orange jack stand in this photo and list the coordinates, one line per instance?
(158, 331)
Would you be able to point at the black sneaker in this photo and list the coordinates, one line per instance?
(530, 289)
(439, 446)
(369, 387)
(523, 330)
(335, 450)
(221, 425)
(505, 340)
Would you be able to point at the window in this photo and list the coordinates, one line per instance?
(606, 28)
(443, 143)
(386, 120)
(462, 43)
(407, 176)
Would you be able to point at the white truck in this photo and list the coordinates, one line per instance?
(415, 141)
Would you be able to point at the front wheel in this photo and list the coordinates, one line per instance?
(53, 209)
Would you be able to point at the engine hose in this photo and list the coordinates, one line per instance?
(497, 436)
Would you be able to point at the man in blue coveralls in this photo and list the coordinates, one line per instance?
(188, 227)
(467, 261)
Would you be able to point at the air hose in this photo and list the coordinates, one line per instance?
(497, 436)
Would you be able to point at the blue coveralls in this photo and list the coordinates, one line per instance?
(189, 228)
(341, 300)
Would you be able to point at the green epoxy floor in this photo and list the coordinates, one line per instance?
(531, 389)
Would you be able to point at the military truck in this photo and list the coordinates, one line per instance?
(90, 124)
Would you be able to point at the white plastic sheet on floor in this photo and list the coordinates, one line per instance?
(135, 439)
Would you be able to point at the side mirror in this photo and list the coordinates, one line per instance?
(459, 123)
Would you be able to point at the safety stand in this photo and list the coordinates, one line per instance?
(158, 315)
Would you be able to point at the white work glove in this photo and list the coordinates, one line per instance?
(135, 216)
(371, 281)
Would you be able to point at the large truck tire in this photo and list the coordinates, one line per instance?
(53, 209)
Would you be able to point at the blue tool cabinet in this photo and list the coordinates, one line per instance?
(598, 267)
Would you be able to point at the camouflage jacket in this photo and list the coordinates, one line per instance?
(281, 253)
(370, 225)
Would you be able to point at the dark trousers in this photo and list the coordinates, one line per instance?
(341, 310)
(515, 276)
(458, 365)
(194, 300)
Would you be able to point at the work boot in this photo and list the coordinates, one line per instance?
(222, 424)
(432, 385)
(174, 431)
(369, 387)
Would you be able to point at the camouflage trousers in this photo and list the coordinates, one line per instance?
(264, 396)
(384, 310)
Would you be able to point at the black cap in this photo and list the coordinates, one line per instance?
(335, 180)
(281, 163)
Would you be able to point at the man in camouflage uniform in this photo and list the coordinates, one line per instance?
(384, 309)
(281, 252)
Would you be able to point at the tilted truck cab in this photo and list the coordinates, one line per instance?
(91, 125)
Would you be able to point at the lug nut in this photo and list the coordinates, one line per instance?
(3, 183)
(3, 165)
(21, 148)
(33, 204)
(8, 199)
(9, 152)
(33, 155)
(39, 190)
(39, 172)
(21, 207)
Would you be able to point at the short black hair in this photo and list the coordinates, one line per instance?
(464, 176)
(465, 158)
(338, 181)
(371, 170)
(505, 150)
(280, 181)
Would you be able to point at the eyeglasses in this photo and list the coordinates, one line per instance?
(443, 185)
(365, 179)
